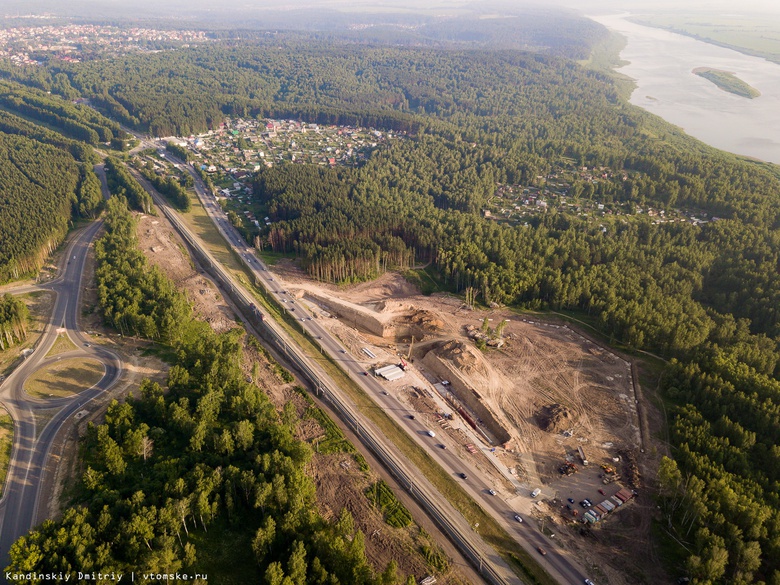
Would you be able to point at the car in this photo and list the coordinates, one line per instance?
(270, 280)
(588, 582)
(364, 373)
(463, 476)
(292, 308)
(571, 500)
(411, 417)
(385, 393)
(442, 446)
(430, 433)
(518, 518)
(587, 501)
(541, 550)
(342, 351)
(86, 345)
(602, 492)
(584, 504)
(492, 492)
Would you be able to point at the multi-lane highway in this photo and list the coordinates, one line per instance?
(19, 507)
(556, 561)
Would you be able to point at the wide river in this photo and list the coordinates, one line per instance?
(662, 62)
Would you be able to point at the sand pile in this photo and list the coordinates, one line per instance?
(555, 418)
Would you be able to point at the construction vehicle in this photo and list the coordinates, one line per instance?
(567, 468)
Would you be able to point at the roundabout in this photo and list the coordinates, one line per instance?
(60, 376)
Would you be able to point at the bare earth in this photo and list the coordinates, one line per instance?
(541, 363)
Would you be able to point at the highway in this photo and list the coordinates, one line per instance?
(557, 561)
(19, 506)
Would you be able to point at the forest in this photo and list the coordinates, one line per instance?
(39, 188)
(206, 455)
(704, 296)
(173, 188)
(46, 176)
(13, 321)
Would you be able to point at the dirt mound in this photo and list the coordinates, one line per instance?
(555, 418)
(461, 355)
(630, 468)
(427, 321)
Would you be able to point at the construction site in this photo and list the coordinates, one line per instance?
(531, 402)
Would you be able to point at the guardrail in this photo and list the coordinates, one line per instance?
(443, 513)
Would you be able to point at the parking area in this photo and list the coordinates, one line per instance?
(587, 483)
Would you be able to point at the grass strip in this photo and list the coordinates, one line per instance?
(64, 378)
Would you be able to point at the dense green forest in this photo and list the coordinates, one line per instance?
(706, 295)
(121, 182)
(135, 299)
(79, 122)
(13, 321)
(173, 188)
(208, 456)
(39, 186)
(46, 176)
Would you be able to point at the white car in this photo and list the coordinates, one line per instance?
(518, 518)
(431, 434)
(492, 492)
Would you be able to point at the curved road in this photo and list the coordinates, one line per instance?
(19, 504)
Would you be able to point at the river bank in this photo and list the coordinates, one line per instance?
(662, 66)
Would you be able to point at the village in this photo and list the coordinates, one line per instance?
(240, 147)
(520, 204)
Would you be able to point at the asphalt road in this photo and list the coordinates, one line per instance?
(19, 507)
(558, 562)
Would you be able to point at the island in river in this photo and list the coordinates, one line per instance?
(727, 81)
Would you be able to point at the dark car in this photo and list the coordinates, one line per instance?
(541, 550)
(602, 492)
(463, 476)
(571, 500)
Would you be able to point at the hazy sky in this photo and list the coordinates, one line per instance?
(138, 7)
(282, 13)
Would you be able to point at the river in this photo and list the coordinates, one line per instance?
(661, 63)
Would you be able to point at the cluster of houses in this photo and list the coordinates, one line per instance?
(517, 203)
(242, 146)
(71, 41)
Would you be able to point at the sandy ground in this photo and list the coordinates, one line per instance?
(543, 362)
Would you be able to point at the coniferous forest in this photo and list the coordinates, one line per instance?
(707, 297)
